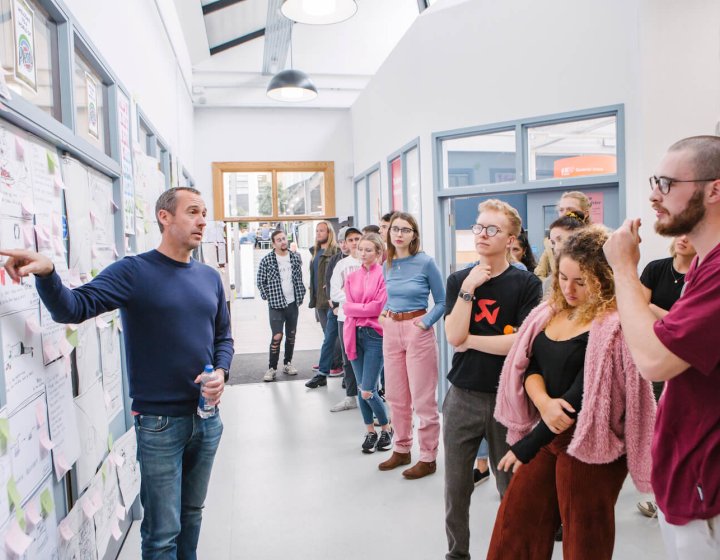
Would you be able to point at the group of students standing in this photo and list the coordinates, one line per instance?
(554, 385)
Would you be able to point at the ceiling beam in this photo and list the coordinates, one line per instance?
(218, 5)
(238, 41)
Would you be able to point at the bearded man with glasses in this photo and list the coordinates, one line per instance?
(681, 348)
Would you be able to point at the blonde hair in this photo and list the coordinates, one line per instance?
(376, 240)
(331, 243)
(513, 218)
(585, 247)
(583, 201)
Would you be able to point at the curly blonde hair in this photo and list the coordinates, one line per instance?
(585, 247)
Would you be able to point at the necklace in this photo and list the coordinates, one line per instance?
(676, 279)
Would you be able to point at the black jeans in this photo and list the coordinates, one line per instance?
(287, 317)
(350, 381)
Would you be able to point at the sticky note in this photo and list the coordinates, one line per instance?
(93, 218)
(19, 149)
(4, 433)
(88, 508)
(32, 514)
(28, 234)
(120, 512)
(46, 442)
(65, 347)
(116, 533)
(20, 517)
(58, 183)
(65, 531)
(51, 351)
(119, 459)
(61, 464)
(13, 493)
(40, 413)
(103, 471)
(73, 339)
(32, 326)
(47, 504)
(27, 206)
(16, 541)
(110, 442)
(51, 163)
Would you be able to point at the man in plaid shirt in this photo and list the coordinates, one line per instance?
(279, 280)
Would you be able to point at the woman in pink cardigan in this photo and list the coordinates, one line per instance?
(579, 415)
(363, 337)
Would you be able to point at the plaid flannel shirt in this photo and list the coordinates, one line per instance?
(270, 285)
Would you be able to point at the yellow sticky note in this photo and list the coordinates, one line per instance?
(4, 431)
(103, 470)
(72, 338)
(94, 272)
(110, 442)
(47, 504)
(13, 493)
(51, 163)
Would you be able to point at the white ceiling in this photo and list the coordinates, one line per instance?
(340, 58)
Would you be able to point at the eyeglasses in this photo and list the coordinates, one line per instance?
(491, 231)
(403, 230)
(664, 183)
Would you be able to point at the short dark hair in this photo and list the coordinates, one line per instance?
(706, 154)
(274, 234)
(387, 217)
(168, 201)
(570, 221)
(372, 228)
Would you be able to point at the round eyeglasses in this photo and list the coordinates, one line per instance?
(664, 183)
(403, 230)
(491, 231)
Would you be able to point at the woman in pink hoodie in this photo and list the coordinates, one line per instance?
(363, 337)
(579, 415)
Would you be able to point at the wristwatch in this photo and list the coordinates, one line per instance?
(467, 296)
(226, 373)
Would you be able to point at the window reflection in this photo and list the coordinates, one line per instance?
(301, 193)
(480, 160)
(248, 194)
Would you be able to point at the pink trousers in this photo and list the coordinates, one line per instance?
(411, 379)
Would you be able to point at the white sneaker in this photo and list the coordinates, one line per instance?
(270, 375)
(290, 369)
(347, 403)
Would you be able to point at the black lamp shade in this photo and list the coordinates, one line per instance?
(291, 85)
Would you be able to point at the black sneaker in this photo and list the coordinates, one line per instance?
(479, 476)
(371, 439)
(317, 381)
(385, 441)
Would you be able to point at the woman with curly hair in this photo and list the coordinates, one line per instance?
(579, 415)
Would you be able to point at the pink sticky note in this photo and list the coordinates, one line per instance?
(28, 234)
(45, 441)
(120, 512)
(32, 514)
(42, 233)
(65, 531)
(31, 326)
(65, 347)
(40, 413)
(50, 351)
(16, 541)
(61, 464)
(116, 532)
(66, 362)
(101, 323)
(27, 206)
(88, 508)
(119, 459)
(19, 149)
(58, 183)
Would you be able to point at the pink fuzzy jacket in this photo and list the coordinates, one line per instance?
(618, 408)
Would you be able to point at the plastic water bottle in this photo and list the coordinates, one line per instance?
(205, 410)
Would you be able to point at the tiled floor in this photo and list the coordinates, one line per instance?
(290, 483)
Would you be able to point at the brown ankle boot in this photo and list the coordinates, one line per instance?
(395, 460)
(420, 470)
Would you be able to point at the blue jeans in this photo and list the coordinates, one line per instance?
(329, 345)
(176, 455)
(367, 368)
(483, 450)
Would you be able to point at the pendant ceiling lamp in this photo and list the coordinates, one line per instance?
(291, 85)
(319, 12)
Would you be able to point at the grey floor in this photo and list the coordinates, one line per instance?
(290, 483)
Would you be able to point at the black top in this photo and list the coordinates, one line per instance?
(561, 364)
(501, 302)
(663, 281)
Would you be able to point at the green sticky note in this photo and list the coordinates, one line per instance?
(4, 429)
(110, 443)
(147, 227)
(13, 493)
(73, 339)
(51, 163)
(46, 502)
(94, 272)
(103, 470)
(20, 516)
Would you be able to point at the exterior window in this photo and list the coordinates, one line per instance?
(29, 53)
(375, 198)
(480, 160)
(412, 167)
(301, 193)
(573, 149)
(90, 104)
(248, 194)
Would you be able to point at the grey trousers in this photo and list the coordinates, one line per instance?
(467, 419)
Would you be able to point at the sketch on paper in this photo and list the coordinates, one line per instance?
(128, 472)
(44, 534)
(21, 357)
(87, 355)
(61, 418)
(16, 296)
(111, 365)
(15, 180)
(29, 459)
(77, 199)
(92, 427)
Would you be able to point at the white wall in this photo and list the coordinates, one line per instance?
(480, 62)
(275, 135)
(132, 39)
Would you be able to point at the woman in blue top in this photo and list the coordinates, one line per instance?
(409, 345)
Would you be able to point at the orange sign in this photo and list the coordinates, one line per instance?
(584, 165)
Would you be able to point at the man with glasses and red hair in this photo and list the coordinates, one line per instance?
(681, 348)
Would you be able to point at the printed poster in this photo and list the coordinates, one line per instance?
(25, 67)
(92, 107)
(126, 164)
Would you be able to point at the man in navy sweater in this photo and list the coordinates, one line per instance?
(176, 321)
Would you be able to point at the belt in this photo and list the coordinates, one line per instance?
(406, 315)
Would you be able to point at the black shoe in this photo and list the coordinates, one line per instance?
(371, 439)
(559, 534)
(317, 381)
(343, 384)
(479, 477)
(385, 441)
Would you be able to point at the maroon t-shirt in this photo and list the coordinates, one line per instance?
(686, 445)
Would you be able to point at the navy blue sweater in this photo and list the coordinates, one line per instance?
(175, 321)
